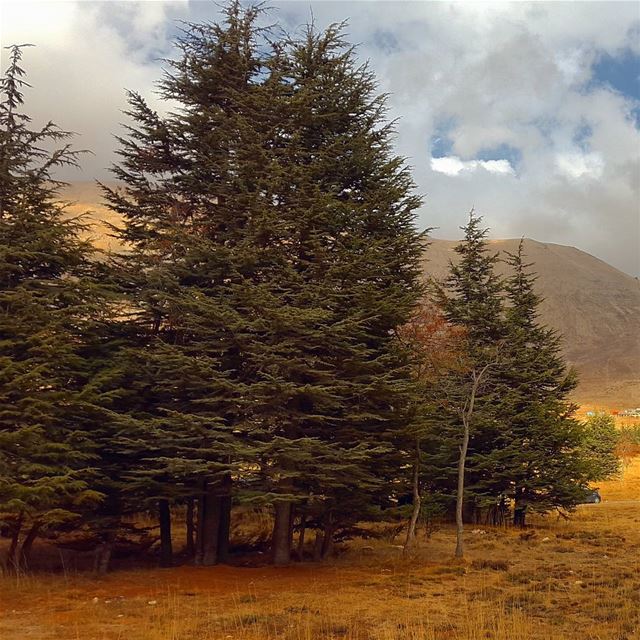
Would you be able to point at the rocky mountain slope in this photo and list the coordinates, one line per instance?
(593, 305)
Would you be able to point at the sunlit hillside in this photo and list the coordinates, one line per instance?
(594, 306)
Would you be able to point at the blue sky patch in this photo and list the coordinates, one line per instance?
(621, 73)
(441, 144)
(581, 137)
(501, 152)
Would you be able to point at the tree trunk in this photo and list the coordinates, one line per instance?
(519, 517)
(166, 546)
(211, 526)
(317, 546)
(460, 491)
(189, 522)
(301, 535)
(417, 502)
(12, 553)
(103, 557)
(224, 528)
(503, 509)
(519, 508)
(467, 413)
(103, 553)
(292, 522)
(198, 556)
(27, 545)
(329, 530)
(281, 539)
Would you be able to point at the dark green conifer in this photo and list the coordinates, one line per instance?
(272, 253)
(601, 439)
(190, 205)
(471, 300)
(349, 203)
(46, 301)
(538, 454)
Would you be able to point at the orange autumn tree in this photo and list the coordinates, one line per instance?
(437, 350)
(447, 384)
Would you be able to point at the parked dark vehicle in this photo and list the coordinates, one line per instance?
(592, 497)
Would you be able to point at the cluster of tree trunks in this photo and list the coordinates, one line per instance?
(211, 544)
(19, 553)
(208, 520)
(283, 530)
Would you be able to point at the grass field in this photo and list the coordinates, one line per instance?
(576, 579)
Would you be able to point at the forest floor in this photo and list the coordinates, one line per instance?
(576, 579)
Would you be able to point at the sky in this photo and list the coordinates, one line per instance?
(527, 112)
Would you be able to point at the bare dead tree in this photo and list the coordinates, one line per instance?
(466, 414)
(436, 348)
(417, 501)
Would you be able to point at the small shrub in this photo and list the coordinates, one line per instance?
(494, 565)
(247, 599)
(458, 571)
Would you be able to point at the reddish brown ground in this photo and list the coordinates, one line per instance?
(576, 580)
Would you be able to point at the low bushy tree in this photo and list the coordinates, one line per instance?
(601, 439)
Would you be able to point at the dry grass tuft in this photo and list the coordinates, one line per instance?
(492, 564)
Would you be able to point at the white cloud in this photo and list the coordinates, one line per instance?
(497, 166)
(580, 165)
(449, 165)
(514, 74)
(453, 166)
(86, 55)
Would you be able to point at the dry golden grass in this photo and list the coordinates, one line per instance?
(574, 580)
(625, 488)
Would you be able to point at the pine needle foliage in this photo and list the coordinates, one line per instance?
(271, 252)
(46, 304)
(539, 456)
(471, 299)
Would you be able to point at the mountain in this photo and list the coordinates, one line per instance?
(593, 305)
(85, 199)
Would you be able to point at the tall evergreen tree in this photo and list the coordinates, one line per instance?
(471, 300)
(349, 202)
(271, 232)
(189, 205)
(45, 309)
(471, 297)
(601, 441)
(538, 455)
